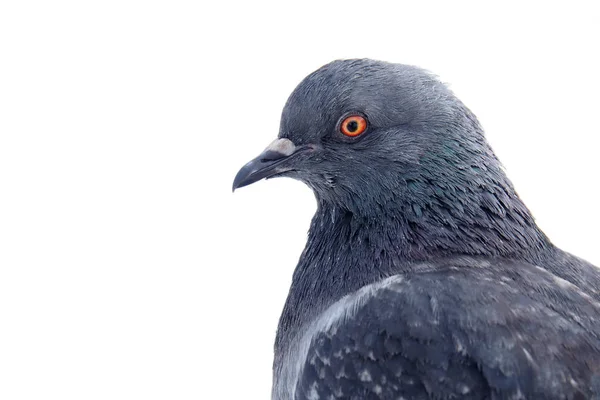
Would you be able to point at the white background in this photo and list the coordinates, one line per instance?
(128, 270)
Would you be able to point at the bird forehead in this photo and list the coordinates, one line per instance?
(388, 94)
(351, 80)
(323, 97)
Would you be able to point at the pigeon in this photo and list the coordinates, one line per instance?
(424, 274)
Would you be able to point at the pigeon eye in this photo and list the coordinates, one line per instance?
(353, 126)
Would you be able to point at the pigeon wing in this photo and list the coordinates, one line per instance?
(471, 330)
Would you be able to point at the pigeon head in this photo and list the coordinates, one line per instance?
(374, 138)
(365, 134)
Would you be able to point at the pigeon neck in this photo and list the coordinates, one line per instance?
(346, 250)
(413, 232)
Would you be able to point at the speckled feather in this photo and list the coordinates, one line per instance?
(424, 275)
(432, 335)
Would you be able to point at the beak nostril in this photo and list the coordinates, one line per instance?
(283, 146)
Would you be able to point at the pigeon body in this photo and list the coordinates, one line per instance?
(424, 275)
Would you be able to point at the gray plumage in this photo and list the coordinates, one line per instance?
(424, 275)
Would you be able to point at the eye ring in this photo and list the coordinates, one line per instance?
(353, 125)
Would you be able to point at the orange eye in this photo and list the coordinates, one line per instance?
(353, 126)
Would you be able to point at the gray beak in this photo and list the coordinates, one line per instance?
(267, 164)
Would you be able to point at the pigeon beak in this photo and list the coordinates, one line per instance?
(267, 164)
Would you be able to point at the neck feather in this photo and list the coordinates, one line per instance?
(347, 250)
